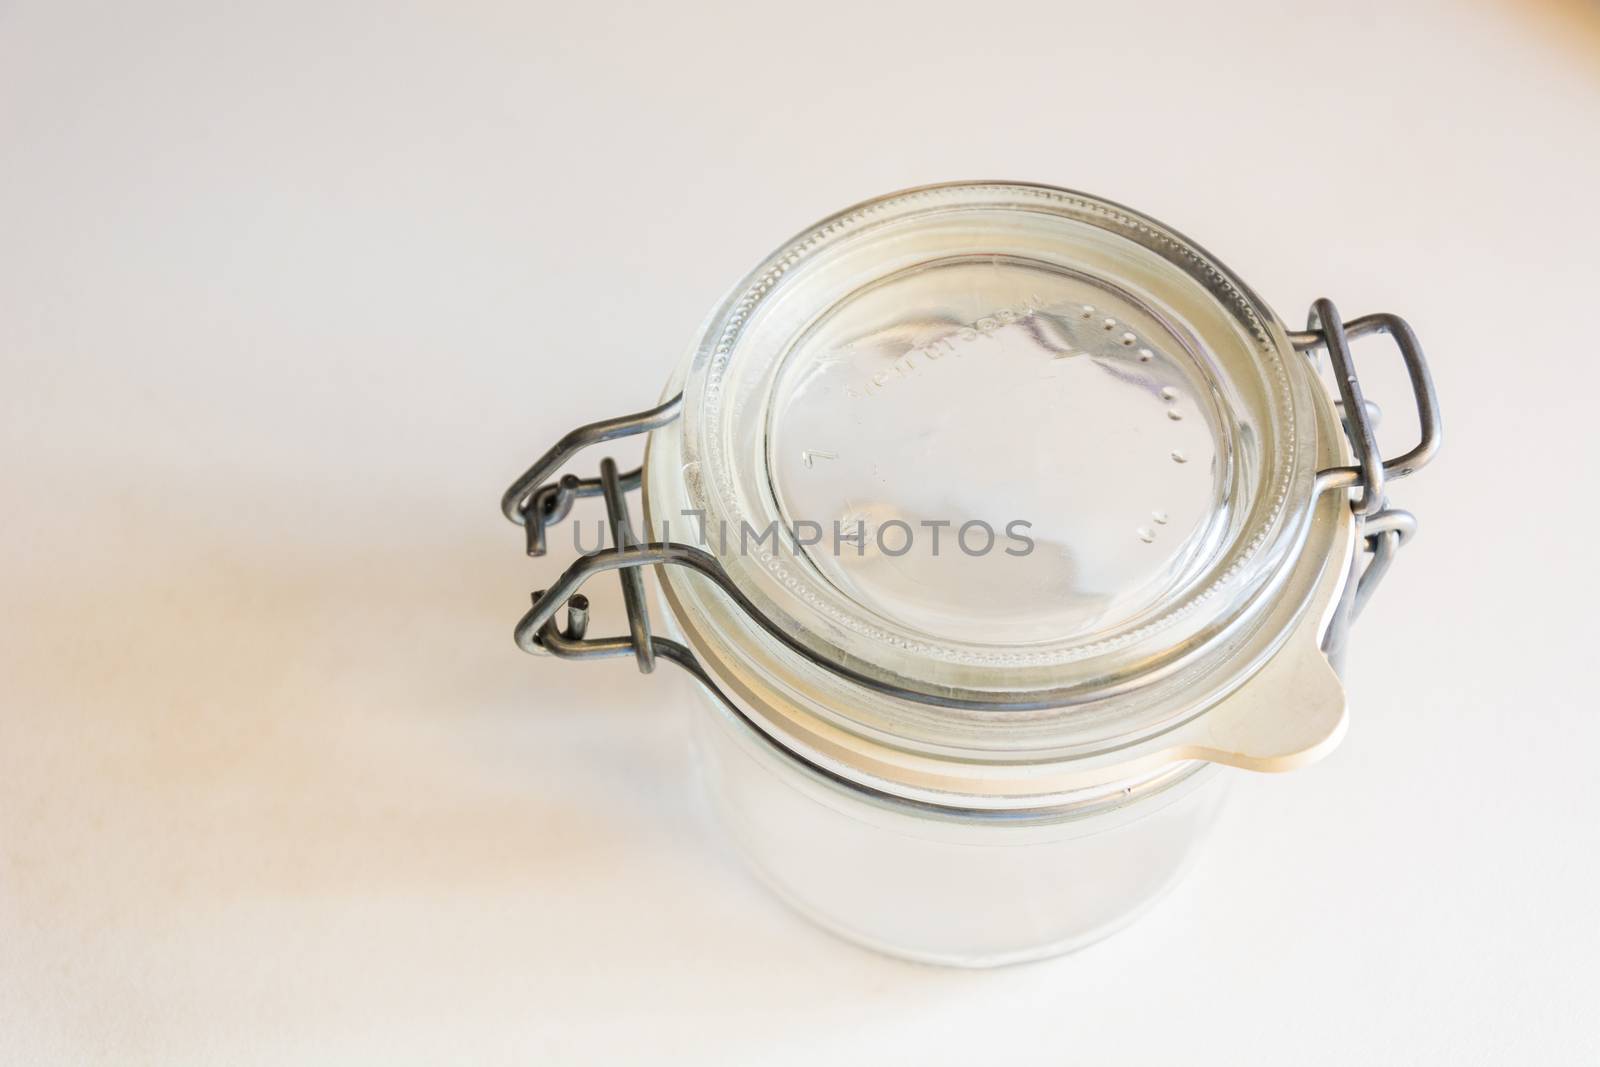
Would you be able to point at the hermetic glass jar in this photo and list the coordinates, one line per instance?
(997, 522)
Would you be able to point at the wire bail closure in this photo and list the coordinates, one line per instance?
(536, 502)
(1381, 528)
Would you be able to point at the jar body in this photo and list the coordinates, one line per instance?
(953, 887)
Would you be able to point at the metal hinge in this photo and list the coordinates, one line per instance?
(1382, 529)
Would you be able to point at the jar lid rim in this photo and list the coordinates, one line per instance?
(739, 450)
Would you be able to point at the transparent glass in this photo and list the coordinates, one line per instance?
(980, 401)
(974, 889)
(930, 379)
(1008, 764)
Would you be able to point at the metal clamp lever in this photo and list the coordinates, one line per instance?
(534, 502)
(1382, 529)
(1324, 329)
(538, 630)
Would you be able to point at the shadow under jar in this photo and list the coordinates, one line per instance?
(996, 521)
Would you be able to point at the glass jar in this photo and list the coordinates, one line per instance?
(996, 522)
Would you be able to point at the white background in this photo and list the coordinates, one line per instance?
(288, 292)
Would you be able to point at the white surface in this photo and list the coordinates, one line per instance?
(289, 292)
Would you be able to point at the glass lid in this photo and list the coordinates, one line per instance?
(996, 444)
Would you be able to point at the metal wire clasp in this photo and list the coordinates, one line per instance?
(535, 502)
(1382, 529)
